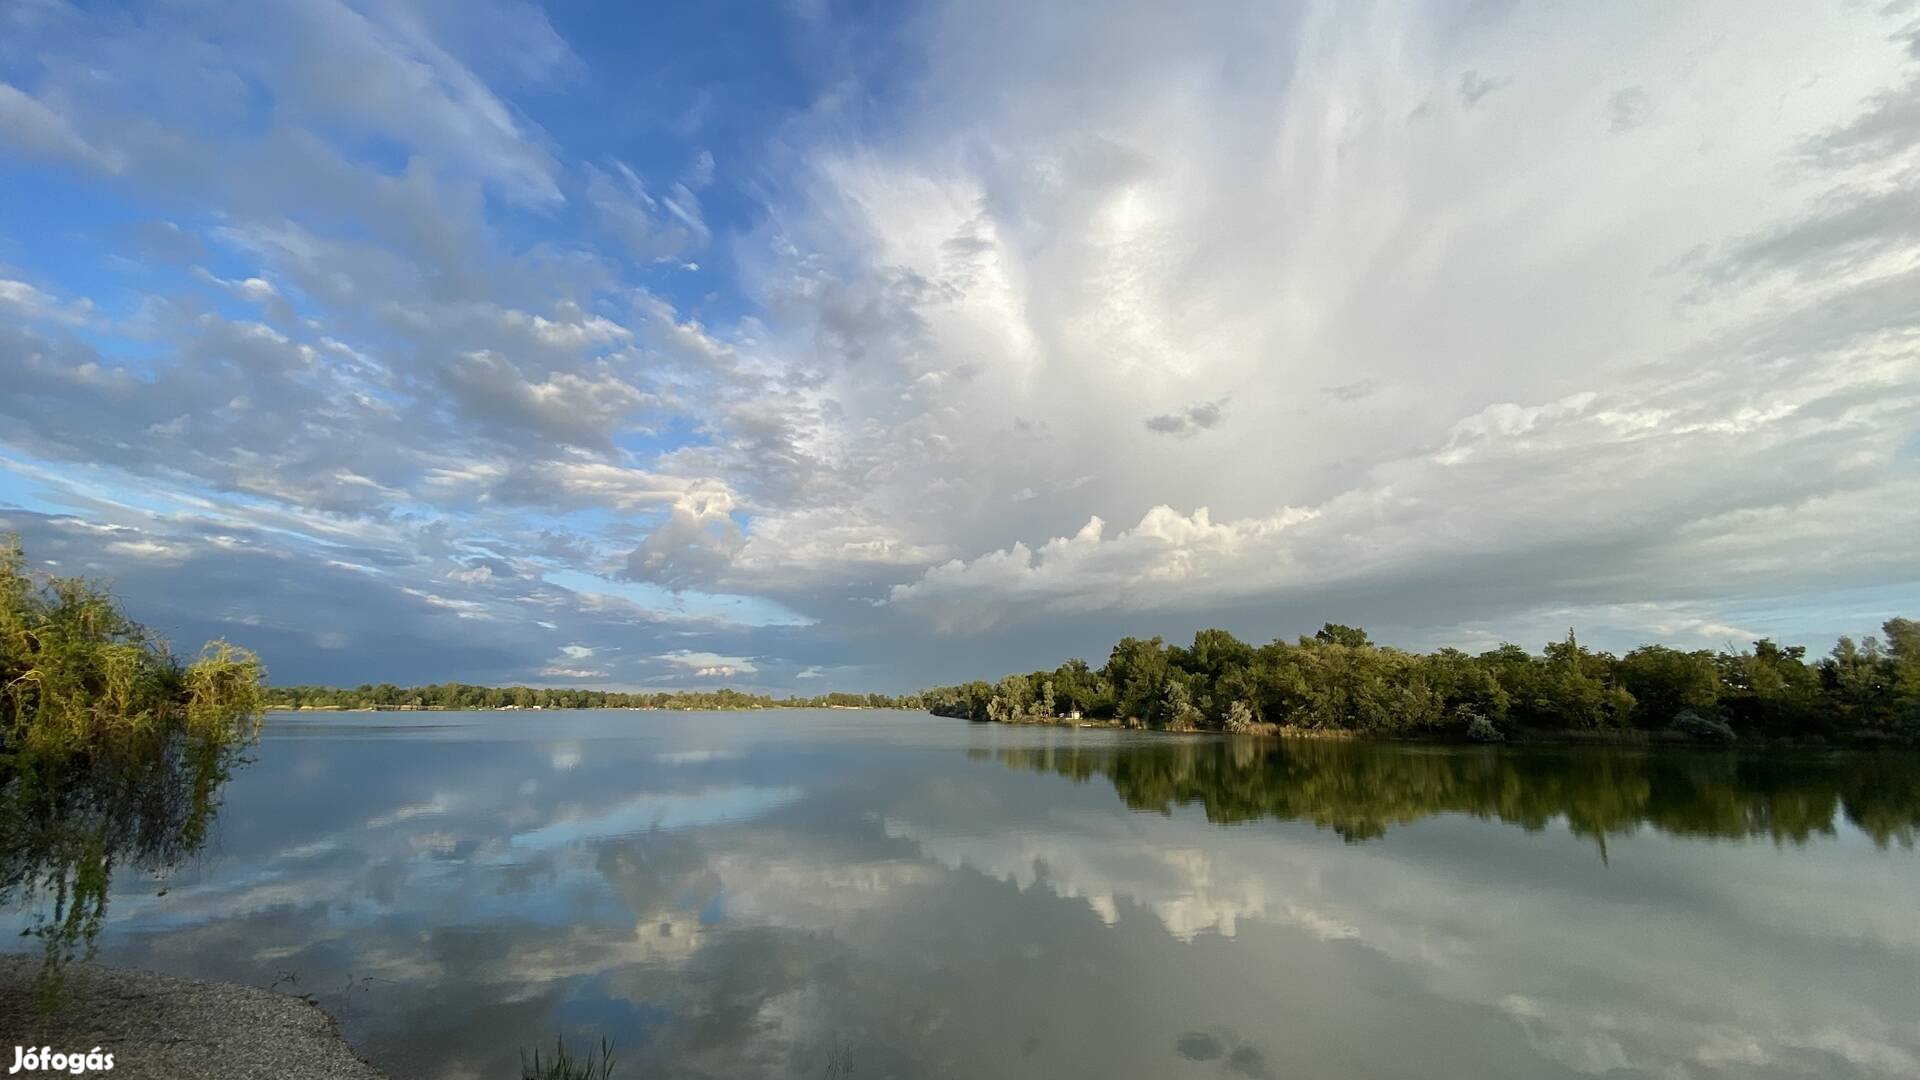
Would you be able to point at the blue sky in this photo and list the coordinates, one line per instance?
(813, 345)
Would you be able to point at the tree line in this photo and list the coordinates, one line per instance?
(456, 695)
(1339, 680)
(1360, 790)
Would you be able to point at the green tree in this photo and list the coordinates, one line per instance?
(1176, 711)
(1137, 670)
(1667, 682)
(112, 752)
(1859, 680)
(1078, 688)
(1335, 634)
(1339, 680)
(1771, 690)
(1903, 649)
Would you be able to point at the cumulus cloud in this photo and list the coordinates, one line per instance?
(24, 301)
(574, 409)
(695, 543)
(708, 665)
(1195, 418)
(1168, 554)
(1127, 283)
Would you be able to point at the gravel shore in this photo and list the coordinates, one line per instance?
(160, 1027)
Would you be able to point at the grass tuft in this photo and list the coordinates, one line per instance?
(564, 1066)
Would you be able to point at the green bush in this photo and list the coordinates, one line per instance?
(112, 752)
(1705, 729)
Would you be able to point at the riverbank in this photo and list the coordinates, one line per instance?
(165, 1028)
(1620, 737)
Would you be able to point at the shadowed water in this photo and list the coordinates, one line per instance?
(796, 893)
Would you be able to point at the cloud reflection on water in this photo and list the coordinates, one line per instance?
(736, 913)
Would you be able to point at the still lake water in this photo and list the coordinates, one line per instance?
(789, 893)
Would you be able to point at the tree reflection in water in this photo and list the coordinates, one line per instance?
(1360, 789)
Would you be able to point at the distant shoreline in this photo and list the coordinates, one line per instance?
(1864, 693)
(471, 697)
(579, 708)
(1628, 738)
(1625, 738)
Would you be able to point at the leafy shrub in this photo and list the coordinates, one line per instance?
(1703, 728)
(112, 752)
(1481, 730)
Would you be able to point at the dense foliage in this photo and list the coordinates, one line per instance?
(112, 752)
(1360, 790)
(1338, 680)
(455, 695)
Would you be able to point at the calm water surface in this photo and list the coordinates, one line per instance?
(780, 893)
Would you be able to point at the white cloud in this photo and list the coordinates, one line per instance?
(696, 542)
(708, 665)
(577, 409)
(37, 130)
(24, 301)
(383, 72)
(659, 228)
(1097, 256)
(1157, 318)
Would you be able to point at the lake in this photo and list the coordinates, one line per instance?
(890, 894)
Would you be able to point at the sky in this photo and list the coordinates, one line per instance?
(812, 345)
